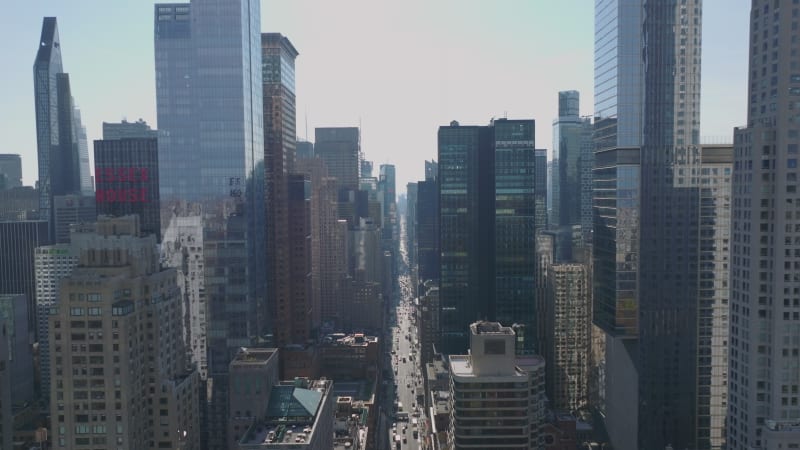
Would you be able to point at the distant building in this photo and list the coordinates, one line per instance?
(18, 240)
(126, 174)
(572, 148)
(14, 313)
(298, 416)
(305, 149)
(349, 357)
(10, 171)
(427, 229)
(339, 148)
(128, 130)
(69, 210)
(19, 203)
(6, 415)
(253, 372)
(428, 321)
(568, 321)
(63, 166)
(52, 264)
(411, 233)
(329, 250)
(541, 188)
(476, 381)
(146, 397)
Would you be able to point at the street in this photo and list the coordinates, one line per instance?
(404, 418)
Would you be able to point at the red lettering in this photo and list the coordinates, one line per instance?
(108, 175)
(143, 174)
(143, 195)
(99, 196)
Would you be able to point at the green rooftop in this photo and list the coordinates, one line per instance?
(295, 403)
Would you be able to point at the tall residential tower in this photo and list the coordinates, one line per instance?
(764, 388)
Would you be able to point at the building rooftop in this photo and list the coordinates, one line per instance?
(354, 340)
(253, 356)
(490, 328)
(291, 413)
(461, 366)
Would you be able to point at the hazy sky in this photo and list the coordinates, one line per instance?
(399, 68)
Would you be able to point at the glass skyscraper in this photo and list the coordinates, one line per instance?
(646, 208)
(487, 229)
(62, 150)
(211, 179)
(572, 148)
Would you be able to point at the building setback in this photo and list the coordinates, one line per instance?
(764, 365)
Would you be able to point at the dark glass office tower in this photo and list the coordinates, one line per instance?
(387, 184)
(646, 204)
(515, 224)
(18, 240)
(211, 180)
(466, 230)
(487, 229)
(58, 128)
(427, 234)
(541, 188)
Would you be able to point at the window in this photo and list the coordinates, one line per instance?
(76, 311)
(95, 311)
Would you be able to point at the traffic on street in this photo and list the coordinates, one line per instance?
(404, 415)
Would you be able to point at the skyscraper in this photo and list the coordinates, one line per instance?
(278, 56)
(465, 293)
(126, 174)
(645, 240)
(53, 263)
(14, 313)
(388, 186)
(10, 171)
(340, 149)
(18, 240)
(488, 222)
(211, 179)
(572, 147)
(113, 383)
(6, 416)
(763, 410)
(62, 167)
(568, 322)
(426, 235)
